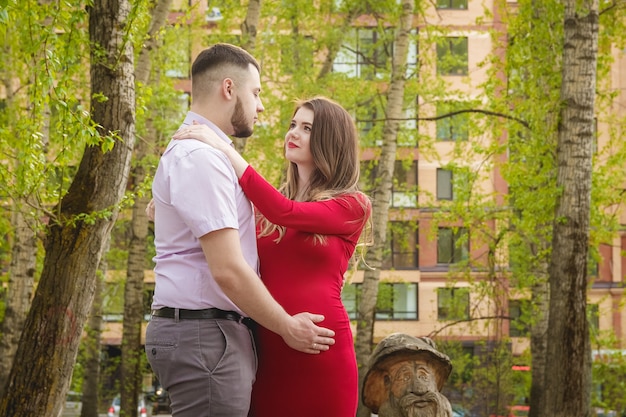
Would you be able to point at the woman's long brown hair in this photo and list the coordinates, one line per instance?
(334, 145)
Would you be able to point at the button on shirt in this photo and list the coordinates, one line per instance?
(195, 192)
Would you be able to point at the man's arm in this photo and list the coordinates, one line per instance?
(242, 285)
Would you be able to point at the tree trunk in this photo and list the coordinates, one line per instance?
(249, 26)
(132, 352)
(381, 196)
(248, 42)
(19, 292)
(43, 363)
(539, 341)
(131, 370)
(568, 370)
(539, 146)
(93, 346)
(23, 257)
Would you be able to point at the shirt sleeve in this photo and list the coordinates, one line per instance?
(203, 191)
(343, 215)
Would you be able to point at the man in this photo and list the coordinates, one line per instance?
(207, 287)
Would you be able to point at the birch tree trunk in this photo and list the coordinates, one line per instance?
(381, 196)
(24, 249)
(19, 292)
(568, 365)
(540, 290)
(42, 369)
(249, 26)
(132, 352)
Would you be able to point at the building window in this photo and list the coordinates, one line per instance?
(452, 127)
(404, 185)
(409, 129)
(452, 245)
(367, 52)
(519, 312)
(444, 184)
(453, 303)
(452, 4)
(396, 301)
(412, 59)
(453, 184)
(403, 240)
(370, 123)
(452, 56)
(363, 54)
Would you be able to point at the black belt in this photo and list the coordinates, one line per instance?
(209, 313)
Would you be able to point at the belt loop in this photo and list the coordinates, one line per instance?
(176, 315)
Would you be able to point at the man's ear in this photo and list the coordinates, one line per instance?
(227, 88)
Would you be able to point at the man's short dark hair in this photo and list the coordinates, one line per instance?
(222, 54)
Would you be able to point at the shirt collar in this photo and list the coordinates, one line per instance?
(191, 117)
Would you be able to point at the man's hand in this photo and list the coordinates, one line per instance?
(305, 336)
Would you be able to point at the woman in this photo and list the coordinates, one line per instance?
(306, 234)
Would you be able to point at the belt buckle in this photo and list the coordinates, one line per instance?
(248, 322)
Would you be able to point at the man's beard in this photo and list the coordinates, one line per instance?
(241, 124)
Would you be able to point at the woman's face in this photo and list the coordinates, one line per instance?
(298, 139)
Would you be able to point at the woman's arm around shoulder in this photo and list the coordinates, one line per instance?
(205, 134)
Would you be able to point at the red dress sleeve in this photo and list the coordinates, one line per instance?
(344, 215)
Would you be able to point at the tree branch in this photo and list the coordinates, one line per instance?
(454, 113)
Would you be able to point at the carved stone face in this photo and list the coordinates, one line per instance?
(412, 390)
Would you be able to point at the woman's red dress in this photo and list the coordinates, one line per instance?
(306, 276)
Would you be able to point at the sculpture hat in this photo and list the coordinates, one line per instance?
(395, 348)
